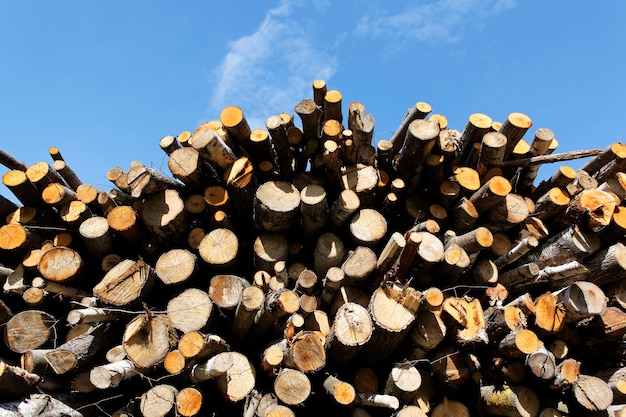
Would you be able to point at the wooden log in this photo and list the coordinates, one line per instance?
(212, 148)
(514, 128)
(190, 310)
(340, 391)
(581, 300)
(343, 208)
(90, 315)
(252, 300)
(187, 165)
(363, 180)
(468, 315)
(306, 352)
(236, 126)
(158, 401)
(11, 162)
(233, 373)
(351, 330)
(329, 252)
(592, 393)
(377, 400)
(361, 124)
(127, 283)
(358, 266)
(393, 309)
(419, 111)
(28, 330)
(112, 374)
(292, 387)
(196, 346)
(97, 237)
(143, 182)
(67, 174)
(490, 194)
(403, 382)
(419, 141)
(284, 156)
(269, 248)
(241, 184)
(18, 239)
(516, 252)
(509, 212)
(514, 401)
(78, 353)
(590, 208)
(368, 227)
(147, 339)
(41, 174)
(542, 364)
(226, 290)
(314, 210)
(311, 115)
(219, 248)
(475, 129)
(276, 206)
(492, 148)
(518, 344)
(22, 188)
(451, 367)
(163, 213)
(175, 266)
(39, 405)
(549, 314)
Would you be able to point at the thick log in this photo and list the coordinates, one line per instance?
(219, 248)
(175, 266)
(18, 239)
(542, 364)
(314, 210)
(419, 141)
(190, 310)
(276, 206)
(163, 213)
(582, 300)
(393, 309)
(97, 237)
(251, 301)
(78, 353)
(514, 401)
(469, 318)
(38, 405)
(158, 401)
(403, 382)
(212, 148)
(22, 188)
(358, 266)
(419, 111)
(368, 227)
(147, 339)
(236, 125)
(292, 387)
(343, 207)
(187, 165)
(351, 330)
(490, 194)
(232, 371)
(226, 290)
(30, 329)
(592, 393)
(127, 283)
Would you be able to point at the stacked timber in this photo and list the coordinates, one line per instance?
(302, 268)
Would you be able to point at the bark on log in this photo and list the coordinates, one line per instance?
(232, 371)
(147, 339)
(29, 329)
(39, 405)
(514, 401)
(127, 283)
(351, 330)
(292, 387)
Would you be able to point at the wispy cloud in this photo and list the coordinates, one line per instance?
(438, 20)
(271, 70)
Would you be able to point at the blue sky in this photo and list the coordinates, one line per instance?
(104, 81)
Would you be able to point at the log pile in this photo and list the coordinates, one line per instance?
(303, 268)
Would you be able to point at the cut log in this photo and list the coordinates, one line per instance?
(292, 387)
(403, 382)
(468, 315)
(112, 374)
(219, 248)
(226, 290)
(514, 401)
(30, 329)
(419, 141)
(592, 393)
(163, 213)
(581, 300)
(232, 371)
(127, 283)
(38, 405)
(419, 111)
(342, 392)
(190, 310)
(158, 401)
(276, 206)
(351, 330)
(147, 339)
(252, 300)
(368, 227)
(76, 354)
(197, 346)
(306, 352)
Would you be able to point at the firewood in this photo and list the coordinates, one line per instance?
(292, 387)
(277, 204)
(158, 401)
(198, 346)
(517, 401)
(29, 329)
(147, 339)
(39, 405)
(232, 371)
(351, 330)
(403, 382)
(592, 393)
(190, 310)
(22, 188)
(77, 353)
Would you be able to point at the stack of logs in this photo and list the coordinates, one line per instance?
(302, 268)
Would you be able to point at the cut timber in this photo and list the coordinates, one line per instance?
(592, 393)
(226, 290)
(112, 374)
(508, 212)
(58, 195)
(342, 392)
(419, 141)
(573, 243)
(511, 401)
(74, 355)
(270, 248)
(60, 264)
(490, 193)
(419, 111)
(198, 346)
(143, 182)
(368, 227)
(97, 236)
(358, 266)
(212, 148)
(21, 187)
(343, 207)
(514, 128)
(403, 382)
(306, 352)
(175, 266)
(147, 339)
(125, 221)
(351, 330)
(236, 125)
(590, 208)
(158, 401)
(393, 309)
(233, 372)
(426, 334)
(329, 252)
(518, 344)
(581, 300)
(292, 387)
(314, 209)
(187, 166)
(276, 206)
(542, 364)
(469, 316)
(552, 203)
(18, 239)
(252, 299)
(42, 174)
(189, 401)
(268, 407)
(606, 266)
(127, 283)
(29, 330)
(35, 405)
(549, 314)
(241, 185)
(164, 215)
(492, 150)
(311, 116)
(190, 310)
(219, 248)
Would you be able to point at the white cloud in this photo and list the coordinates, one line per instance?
(271, 70)
(434, 21)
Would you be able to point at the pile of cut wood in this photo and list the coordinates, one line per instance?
(302, 268)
